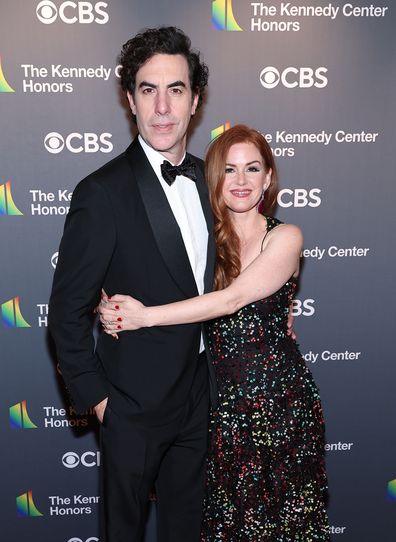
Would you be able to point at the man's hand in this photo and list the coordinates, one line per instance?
(100, 409)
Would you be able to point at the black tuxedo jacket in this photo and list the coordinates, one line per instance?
(120, 234)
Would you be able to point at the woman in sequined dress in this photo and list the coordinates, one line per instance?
(266, 478)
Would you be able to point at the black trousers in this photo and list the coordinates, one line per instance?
(137, 455)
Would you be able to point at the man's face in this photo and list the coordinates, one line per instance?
(163, 104)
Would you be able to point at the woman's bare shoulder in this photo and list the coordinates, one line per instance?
(286, 233)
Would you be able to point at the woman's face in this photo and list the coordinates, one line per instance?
(245, 178)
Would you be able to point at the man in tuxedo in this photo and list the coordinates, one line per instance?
(143, 227)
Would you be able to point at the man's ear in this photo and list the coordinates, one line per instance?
(131, 102)
(194, 104)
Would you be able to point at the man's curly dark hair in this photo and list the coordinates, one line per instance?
(166, 40)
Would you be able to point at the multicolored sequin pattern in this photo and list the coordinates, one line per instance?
(266, 479)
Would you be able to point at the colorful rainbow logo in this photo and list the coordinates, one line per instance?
(26, 507)
(4, 86)
(219, 130)
(19, 417)
(11, 315)
(223, 16)
(7, 204)
(392, 490)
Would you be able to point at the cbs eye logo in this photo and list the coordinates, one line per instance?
(76, 142)
(72, 12)
(291, 77)
(54, 143)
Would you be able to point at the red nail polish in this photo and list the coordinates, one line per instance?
(119, 327)
(117, 307)
(119, 319)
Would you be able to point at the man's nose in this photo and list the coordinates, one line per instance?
(162, 105)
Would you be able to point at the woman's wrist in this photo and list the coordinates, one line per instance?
(148, 317)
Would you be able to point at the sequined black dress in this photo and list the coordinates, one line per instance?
(266, 477)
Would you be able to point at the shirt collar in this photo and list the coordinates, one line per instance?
(154, 157)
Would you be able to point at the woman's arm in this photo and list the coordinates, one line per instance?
(264, 276)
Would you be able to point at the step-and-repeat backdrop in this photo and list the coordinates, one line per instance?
(318, 79)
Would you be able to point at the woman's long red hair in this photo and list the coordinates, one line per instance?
(228, 263)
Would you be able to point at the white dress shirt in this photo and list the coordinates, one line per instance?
(183, 199)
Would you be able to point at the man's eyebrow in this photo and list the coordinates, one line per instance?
(147, 84)
(171, 85)
(177, 84)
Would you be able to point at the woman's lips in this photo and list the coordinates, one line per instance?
(241, 193)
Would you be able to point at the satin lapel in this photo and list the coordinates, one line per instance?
(207, 210)
(163, 224)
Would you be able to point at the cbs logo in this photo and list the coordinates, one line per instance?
(76, 143)
(71, 460)
(299, 197)
(90, 539)
(292, 77)
(303, 308)
(72, 12)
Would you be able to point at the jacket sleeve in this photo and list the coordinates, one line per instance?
(85, 253)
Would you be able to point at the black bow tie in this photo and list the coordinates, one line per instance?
(186, 168)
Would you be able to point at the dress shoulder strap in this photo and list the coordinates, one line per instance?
(272, 223)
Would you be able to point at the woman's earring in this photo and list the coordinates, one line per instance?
(260, 202)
